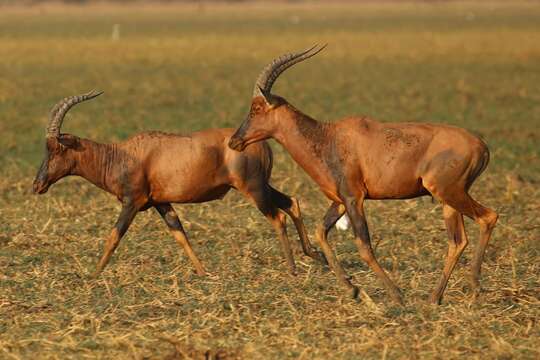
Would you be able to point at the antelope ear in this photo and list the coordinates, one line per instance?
(268, 98)
(69, 141)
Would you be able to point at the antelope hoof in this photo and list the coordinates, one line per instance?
(475, 285)
(211, 276)
(200, 272)
(475, 292)
(435, 299)
(354, 292)
(318, 256)
(398, 298)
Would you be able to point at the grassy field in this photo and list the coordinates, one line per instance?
(475, 65)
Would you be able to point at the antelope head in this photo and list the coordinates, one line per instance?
(263, 117)
(59, 148)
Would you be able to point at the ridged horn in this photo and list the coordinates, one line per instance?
(271, 72)
(61, 108)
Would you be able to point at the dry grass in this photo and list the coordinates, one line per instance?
(181, 70)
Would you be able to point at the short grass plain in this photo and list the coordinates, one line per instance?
(184, 68)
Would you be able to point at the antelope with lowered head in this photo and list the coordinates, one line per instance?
(155, 169)
(358, 158)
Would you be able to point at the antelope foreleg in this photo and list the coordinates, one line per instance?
(170, 217)
(122, 224)
(332, 215)
(355, 210)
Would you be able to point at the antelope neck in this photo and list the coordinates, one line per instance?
(308, 141)
(95, 163)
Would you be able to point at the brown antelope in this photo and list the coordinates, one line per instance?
(357, 159)
(155, 169)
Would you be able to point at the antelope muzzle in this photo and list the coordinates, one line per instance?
(237, 143)
(40, 187)
(238, 140)
(41, 183)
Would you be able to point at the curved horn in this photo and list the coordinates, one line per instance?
(270, 73)
(60, 109)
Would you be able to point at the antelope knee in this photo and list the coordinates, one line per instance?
(295, 207)
(489, 220)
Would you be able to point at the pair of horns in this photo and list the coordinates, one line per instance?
(263, 85)
(59, 111)
(271, 72)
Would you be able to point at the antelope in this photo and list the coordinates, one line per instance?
(155, 169)
(357, 159)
